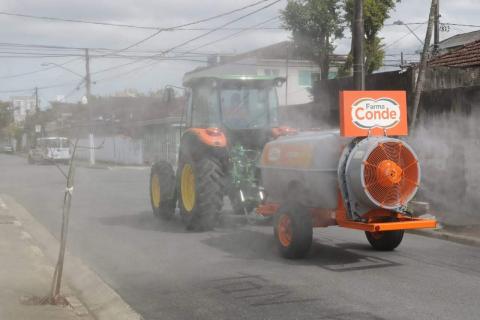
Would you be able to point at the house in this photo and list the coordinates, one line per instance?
(22, 106)
(465, 56)
(280, 59)
(458, 41)
(130, 130)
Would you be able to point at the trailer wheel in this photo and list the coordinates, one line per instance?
(293, 231)
(201, 189)
(162, 190)
(386, 240)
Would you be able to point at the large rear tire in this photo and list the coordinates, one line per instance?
(201, 190)
(293, 231)
(162, 190)
(386, 240)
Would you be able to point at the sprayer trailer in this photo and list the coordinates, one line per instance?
(360, 180)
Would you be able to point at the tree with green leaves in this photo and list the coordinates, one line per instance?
(375, 13)
(6, 115)
(315, 24)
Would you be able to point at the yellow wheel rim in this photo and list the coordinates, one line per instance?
(188, 187)
(155, 190)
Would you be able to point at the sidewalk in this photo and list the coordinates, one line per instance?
(28, 252)
(468, 234)
(26, 272)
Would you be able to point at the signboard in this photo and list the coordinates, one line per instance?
(373, 113)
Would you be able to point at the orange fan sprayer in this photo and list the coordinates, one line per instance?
(358, 178)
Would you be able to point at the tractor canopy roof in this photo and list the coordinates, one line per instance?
(253, 79)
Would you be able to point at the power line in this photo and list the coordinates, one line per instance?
(461, 25)
(22, 15)
(74, 90)
(230, 35)
(44, 87)
(218, 28)
(42, 49)
(36, 71)
(401, 38)
(407, 23)
(145, 39)
(200, 21)
(192, 39)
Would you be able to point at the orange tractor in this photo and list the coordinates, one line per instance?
(228, 120)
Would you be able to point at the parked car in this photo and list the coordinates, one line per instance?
(7, 148)
(56, 149)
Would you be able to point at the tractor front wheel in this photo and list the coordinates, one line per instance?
(201, 188)
(386, 240)
(293, 231)
(162, 190)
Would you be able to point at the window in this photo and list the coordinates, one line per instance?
(205, 107)
(332, 74)
(248, 107)
(304, 78)
(271, 72)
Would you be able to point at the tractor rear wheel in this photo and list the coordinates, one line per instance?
(293, 231)
(201, 189)
(386, 240)
(162, 190)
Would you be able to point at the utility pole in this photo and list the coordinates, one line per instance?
(88, 83)
(37, 108)
(436, 36)
(423, 64)
(402, 61)
(358, 39)
(286, 74)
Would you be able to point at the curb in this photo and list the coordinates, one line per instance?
(101, 301)
(443, 235)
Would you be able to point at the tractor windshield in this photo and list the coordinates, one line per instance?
(246, 107)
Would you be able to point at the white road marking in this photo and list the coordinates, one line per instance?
(36, 250)
(25, 235)
(3, 205)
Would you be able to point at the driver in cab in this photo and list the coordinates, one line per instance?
(236, 113)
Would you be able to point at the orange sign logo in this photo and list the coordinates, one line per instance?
(374, 113)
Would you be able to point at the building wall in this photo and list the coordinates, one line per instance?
(115, 149)
(161, 142)
(296, 91)
(299, 75)
(22, 105)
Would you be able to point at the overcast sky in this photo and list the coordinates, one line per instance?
(165, 13)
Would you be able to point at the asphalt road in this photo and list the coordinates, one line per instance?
(165, 272)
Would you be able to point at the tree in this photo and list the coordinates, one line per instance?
(6, 115)
(315, 24)
(375, 13)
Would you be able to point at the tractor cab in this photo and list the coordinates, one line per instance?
(244, 108)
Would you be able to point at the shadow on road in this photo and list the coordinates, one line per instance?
(145, 221)
(248, 244)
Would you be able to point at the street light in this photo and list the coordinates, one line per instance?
(401, 23)
(46, 64)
